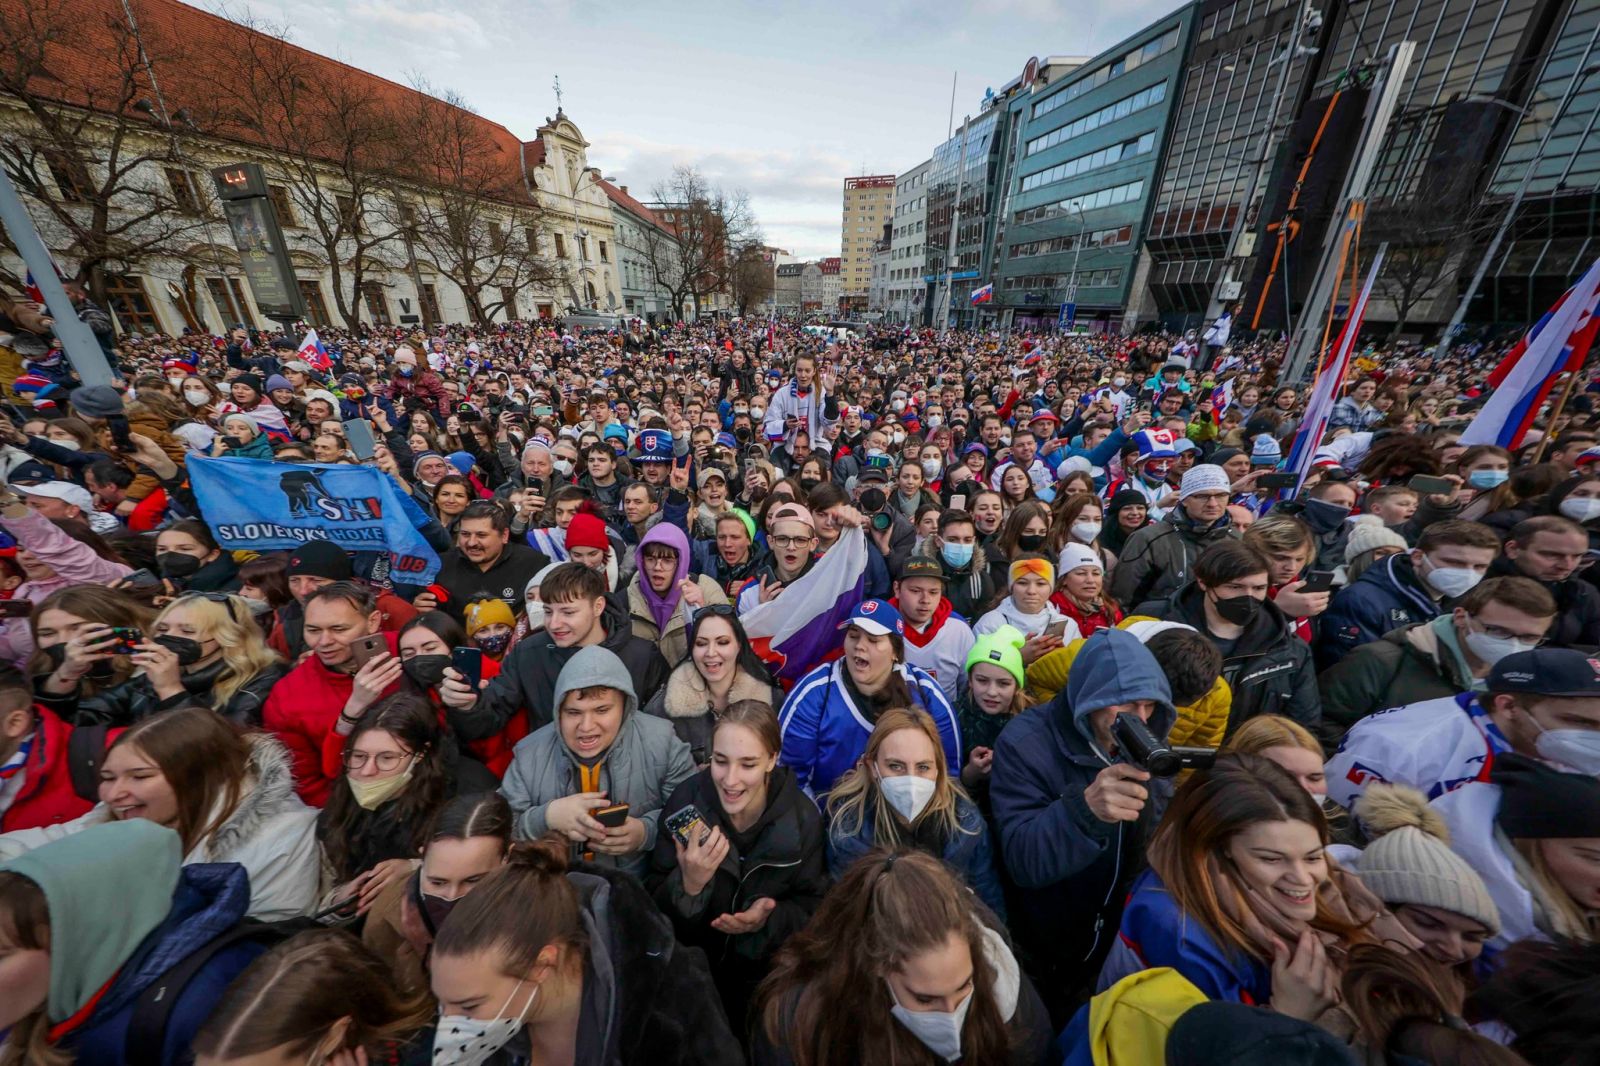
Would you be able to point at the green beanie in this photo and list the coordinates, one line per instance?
(749, 523)
(1002, 648)
(107, 888)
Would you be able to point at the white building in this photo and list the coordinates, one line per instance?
(907, 246)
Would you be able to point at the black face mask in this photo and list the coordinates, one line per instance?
(426, 670)
(1031, 542)
(56, 653)
(1322, 516)
(187, 650)
(177, 564)
(809, 483)
(1239, 610)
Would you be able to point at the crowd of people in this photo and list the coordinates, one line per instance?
(783, 698)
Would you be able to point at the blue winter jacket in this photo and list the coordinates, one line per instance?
(1070, 870)
(1156, 932)
(211, 898)
(824, 734)
(967, 852)
(1388, 596)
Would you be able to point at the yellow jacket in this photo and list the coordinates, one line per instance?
(1200, 724)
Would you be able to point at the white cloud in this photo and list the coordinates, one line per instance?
(422, 22)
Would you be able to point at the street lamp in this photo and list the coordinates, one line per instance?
(1077, 254)
(1516, 203)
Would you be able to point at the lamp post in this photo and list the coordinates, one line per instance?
(1511, 211)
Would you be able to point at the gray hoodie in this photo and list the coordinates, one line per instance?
(642, 767)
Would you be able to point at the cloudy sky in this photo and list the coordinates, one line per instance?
(779, 98)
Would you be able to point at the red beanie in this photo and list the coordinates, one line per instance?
(587, 531)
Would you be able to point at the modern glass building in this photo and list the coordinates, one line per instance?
(967, 165)
(1079, 173)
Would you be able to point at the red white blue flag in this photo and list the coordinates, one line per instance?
(1559, 342)
(799, 630)
(312, 351)
(983, 295)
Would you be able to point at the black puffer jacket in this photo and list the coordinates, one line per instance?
(1156, 561)
(785, 862)
(527, 677)
(136, 698)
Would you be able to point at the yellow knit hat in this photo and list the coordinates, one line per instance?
(487, 613)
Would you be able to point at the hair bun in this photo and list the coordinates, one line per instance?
(546, 855)
(1385, 807)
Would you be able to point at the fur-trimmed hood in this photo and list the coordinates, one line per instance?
(688, 697)
(269, 792)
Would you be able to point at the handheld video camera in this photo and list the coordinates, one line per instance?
(875, 504)
(1141, 748)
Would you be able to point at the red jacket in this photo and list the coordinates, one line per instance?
(47, 796)
(393, 614)
(302, 711)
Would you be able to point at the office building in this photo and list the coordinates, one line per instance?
(868, 203)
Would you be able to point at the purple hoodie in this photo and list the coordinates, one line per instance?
(669, 535)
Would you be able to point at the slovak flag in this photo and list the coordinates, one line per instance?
(1222, 396)
(312, 351)
(32, 288)
(1558, 342)
(983, 295)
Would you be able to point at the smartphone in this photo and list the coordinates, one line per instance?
(1286, 479)
(341, 911)
(1318, 581)
(120, 435)
(958, 502)
(611, 817)
(128, 640)
(366, 649)
(143, 579)
(686, 824)
(1431, 486)
(1056, 629)
(468, 662)
(16, 608)
(358, 432)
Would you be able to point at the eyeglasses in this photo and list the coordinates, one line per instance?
(213, 597)
(385, 760)
(789, 542)
(719, 610)
(1502, 633)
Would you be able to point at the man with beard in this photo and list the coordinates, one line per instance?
(484, 564)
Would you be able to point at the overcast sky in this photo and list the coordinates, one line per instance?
(779, 98)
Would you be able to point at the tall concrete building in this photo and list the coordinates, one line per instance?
(868, 204)
(908, 245)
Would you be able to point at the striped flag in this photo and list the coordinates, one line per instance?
(1329, 376)
(983, 295)
(1557, 343)
(312, 351)
(800, 629)
(1222, 396)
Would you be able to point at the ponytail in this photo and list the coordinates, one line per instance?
(518, 910)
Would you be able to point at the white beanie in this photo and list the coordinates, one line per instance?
(1206, 477)
(1076, 555)
(1367, 532)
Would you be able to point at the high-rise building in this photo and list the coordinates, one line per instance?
(868, 204)
(908, 256)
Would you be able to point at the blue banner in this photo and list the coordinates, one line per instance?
(264, 505)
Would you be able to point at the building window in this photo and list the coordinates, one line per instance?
(377, 306)
(583, 249)
(605, 255)
(282, 205)
(429, 299)
(1117, 67)
(348, 214)
(1140, 100)
(218, 290)
(508, 297)
(589, 294)
(1116, 153)
(183, 192)
(561, 246)
(316, 307)
(532, 236)
(69, 177)
(237, 288)
(130, 304)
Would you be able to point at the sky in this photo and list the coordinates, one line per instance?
(783, 100)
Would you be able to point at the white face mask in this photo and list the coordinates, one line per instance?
(535, 615)
(907, 794)
(898, 436)
(69, 445)
(939, 1031)
(463, 1041)
(563, 466)
(931, 468)
(1085, 531)
(1582, 509)
(1450, 581)
(1577, 750)
(196, 396)
(1491, 649)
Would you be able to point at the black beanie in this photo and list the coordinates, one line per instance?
(1539, 802)
(320, 558)
(252, 381)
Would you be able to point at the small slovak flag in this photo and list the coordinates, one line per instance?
(983, 295)
(312, 351)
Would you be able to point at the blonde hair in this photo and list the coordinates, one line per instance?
(1552, 904)
(1272, 731)
(847, 803)
(244, 651)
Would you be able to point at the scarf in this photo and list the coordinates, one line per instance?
(1030, 624)
(921, 638)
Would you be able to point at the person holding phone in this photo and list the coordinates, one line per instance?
(742, 813)
(599, 755)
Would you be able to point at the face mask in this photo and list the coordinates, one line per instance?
(1324, 517)
(1030, 542)
(407, 371)
(1487, 479)
(435, 909)
(1492, 649)
(494, 646)
(935, 421)
(741, 410)
(535, 615)
(907, 794)
(930, 468)
(758, 412)
(874, 453)
(1576, 749)
(69, 445)
(563, 466)
(1238, 610)
(176, 564)
(176, 383)
(1451, 581)
(196, 397)
(957, 555)
(257, 607)
(56, 653)
(1085, 531)
(1579, 509)
(426, 670)
(1119, 382)
(809, 483)
(1005, 439)
(463, 1041)
(187, 650)
(371, 795)
(939, 1031)
(898, 436)
(898, 406)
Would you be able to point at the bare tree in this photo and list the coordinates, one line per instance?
(751, 280)
(335, 144)
(708, 226)
(1426, 248)
(473, 215)
(82, 156)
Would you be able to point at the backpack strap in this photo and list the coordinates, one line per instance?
(86, 750)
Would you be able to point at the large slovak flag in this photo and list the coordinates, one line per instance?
(313, 352)
(1557, 343)
(800, 629)
(1330, 375)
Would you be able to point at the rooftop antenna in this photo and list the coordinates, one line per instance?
(558, 94)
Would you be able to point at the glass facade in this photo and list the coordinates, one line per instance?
(971, 173)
